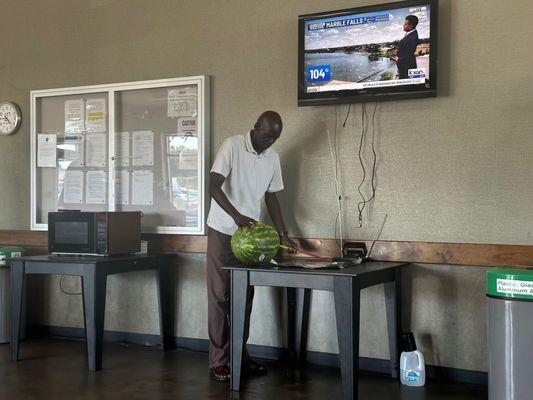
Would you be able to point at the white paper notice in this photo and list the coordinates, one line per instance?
(46, 150)
(143, 148)
(96, 149)
(73, 187)
(182, 102)
(122, 187)
(74, 116)
(95, 115)
(122, 148)
(142, 187)
(95, 187)
(187, 126)
(72, 147)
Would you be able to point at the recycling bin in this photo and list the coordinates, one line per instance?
(510, 333)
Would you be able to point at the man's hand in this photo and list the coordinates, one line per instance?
(286, 241)
(243, 220)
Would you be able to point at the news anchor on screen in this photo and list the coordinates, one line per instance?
(405, 56)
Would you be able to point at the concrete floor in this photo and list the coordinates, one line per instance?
(56, 369)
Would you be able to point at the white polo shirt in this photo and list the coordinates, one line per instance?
(248, 177)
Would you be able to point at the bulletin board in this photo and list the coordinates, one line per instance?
(135, 146)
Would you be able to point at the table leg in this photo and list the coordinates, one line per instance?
(303, 299)
(239, 294)
(346, 292)
(165, 298)
(94, 294)
(17, 293)
(291, 321)
(394, 320)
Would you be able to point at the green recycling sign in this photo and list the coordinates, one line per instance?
(510, 283)
(7, 254)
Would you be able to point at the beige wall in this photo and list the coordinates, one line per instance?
(461, 172)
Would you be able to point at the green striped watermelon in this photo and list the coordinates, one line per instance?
(255, 245)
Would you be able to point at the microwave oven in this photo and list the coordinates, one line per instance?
(94, 233)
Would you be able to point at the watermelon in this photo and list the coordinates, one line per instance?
(255, 245)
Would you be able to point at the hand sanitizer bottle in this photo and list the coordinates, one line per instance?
(412, 368)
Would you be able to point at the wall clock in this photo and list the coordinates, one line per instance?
(10, 118)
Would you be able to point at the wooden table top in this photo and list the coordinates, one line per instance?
(304, 265)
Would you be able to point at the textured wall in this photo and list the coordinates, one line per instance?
(455, 168)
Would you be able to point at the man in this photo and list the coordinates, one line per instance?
(245, 170)
(405, 56)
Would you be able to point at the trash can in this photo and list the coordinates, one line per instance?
(510, 333)
(6, 254)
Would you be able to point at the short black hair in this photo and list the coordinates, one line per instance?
(272, 116)
(412, 19)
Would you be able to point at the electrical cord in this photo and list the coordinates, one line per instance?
(65, 291)
(333, 164)
(347, 115)
(378, 236)
(339, 244)
(338, 188)
(374, 155)
(364, 128)
(362, 204)
(338, 218)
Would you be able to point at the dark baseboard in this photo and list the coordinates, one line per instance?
(366, 364)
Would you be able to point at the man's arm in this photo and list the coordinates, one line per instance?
(411, 46)
(274, 209)
(407, 47)
(401, 53)
(215, 190)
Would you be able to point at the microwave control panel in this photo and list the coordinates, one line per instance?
(101, 233)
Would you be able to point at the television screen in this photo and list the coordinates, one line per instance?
(381, 52)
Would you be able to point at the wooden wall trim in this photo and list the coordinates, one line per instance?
(176, 243)
(488, 255)
(23, 238)
(415, 252)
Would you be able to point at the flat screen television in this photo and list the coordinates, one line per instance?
(380, 52)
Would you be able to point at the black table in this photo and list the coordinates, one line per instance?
(94, 271)
(346, 285)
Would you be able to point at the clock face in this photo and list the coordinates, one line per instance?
(9, 118)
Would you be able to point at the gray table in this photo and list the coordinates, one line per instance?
(94, 271)
(346, 285)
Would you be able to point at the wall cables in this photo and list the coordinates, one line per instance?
(364, 129)
(338, 187)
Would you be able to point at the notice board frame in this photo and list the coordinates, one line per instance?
(202, 83)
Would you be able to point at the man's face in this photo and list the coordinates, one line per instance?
(407, 27)
(267, 134)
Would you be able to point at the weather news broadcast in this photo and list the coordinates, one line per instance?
(364, 51)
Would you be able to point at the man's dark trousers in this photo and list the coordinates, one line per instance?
(218, 298)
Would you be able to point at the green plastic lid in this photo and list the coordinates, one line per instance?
(510, 283)
(7, 253)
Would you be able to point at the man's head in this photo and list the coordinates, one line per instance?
(410, 23)
(266, 130)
